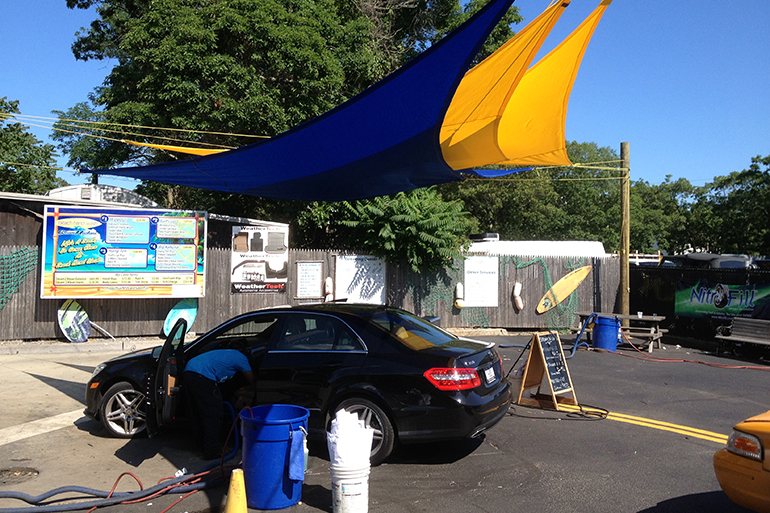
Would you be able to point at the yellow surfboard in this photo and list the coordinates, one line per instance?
(562, 289)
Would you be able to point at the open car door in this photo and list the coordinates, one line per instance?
(163, 390)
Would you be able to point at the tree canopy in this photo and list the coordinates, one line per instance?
(740, 209)
(206, 71)
(549, 203)
(26, 163)
(209, 72)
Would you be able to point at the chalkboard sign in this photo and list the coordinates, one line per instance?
(555, 363)
(546, 359)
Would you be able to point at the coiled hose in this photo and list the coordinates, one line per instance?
(111, 498)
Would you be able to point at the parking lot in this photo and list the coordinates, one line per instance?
(646, 456)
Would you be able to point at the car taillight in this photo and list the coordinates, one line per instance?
(746, 445)
(448, 378)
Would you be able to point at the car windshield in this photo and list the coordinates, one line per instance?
(412, 331)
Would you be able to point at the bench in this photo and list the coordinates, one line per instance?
(645, 327)
(651, 334)
(747, 330)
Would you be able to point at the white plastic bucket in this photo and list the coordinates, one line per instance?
(350, 489)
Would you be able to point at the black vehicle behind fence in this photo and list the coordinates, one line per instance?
(406, 378)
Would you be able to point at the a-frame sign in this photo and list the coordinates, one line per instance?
(546, 358)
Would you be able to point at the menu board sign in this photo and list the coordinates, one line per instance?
(122, 253)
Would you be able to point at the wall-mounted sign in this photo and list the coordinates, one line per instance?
(122, 253)
(705, 298)
(260, 258)
(310, 280)
(360, 279)
(481, 282)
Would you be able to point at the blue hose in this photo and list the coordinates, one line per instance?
(577, 340)
(99, 503)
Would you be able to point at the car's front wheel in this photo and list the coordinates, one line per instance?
(375, 418)
(122, 411)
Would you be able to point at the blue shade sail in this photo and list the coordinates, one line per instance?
(383, 141)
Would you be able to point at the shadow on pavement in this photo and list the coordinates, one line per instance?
(435, 453)
(709, 502)
(72, 389)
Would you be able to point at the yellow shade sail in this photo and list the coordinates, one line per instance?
(469, 132)
(180, 149)
(503, 113)
(532, 128)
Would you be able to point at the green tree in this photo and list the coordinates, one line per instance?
(660, 214)
(741, 209)
(236, 67)
(242, 66)
(550, 203)
(26, 164)
(702, 227)
(417, 227)
(517, 207)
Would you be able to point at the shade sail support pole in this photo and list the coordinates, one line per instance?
(625, 229)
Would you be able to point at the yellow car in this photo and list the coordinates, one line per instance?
(741, 467)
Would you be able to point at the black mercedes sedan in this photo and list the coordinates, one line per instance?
(408, 379)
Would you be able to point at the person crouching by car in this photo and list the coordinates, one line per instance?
(202, 376)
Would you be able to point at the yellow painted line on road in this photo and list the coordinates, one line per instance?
(38, 427)
(657, 424)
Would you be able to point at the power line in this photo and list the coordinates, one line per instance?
(55, 120)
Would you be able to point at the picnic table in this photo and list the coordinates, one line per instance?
(643, 327)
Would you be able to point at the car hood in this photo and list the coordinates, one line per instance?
(758, 425)
(762, 417)
(141, 353)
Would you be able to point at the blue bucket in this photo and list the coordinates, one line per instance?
(267, 433)
(605, 335)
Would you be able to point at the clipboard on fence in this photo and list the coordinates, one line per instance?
(546, 360)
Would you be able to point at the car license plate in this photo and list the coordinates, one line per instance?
(489, 374)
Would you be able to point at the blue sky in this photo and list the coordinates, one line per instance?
(685, 82)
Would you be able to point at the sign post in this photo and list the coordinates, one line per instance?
(546, 358)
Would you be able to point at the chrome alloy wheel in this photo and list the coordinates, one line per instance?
(122, 411)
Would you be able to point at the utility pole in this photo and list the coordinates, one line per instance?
(625, 229)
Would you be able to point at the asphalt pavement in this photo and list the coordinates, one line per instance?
(535, 460)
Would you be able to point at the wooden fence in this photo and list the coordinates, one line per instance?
(25, 316)
(434, 294)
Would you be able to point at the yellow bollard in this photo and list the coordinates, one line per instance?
(236, 495)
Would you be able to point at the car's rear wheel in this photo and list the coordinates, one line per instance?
(375, 418)
(122, 411)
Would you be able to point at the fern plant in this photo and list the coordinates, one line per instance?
(417, 227)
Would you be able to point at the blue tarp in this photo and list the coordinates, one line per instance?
(382, 141)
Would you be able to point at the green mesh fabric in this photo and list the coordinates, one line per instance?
(429, 292)
(13, 269)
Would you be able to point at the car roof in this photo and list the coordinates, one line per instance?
(350, 308)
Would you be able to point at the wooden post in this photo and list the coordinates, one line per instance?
(625, 230)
